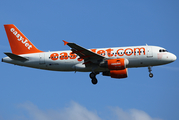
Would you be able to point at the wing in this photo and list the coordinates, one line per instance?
(87, 55)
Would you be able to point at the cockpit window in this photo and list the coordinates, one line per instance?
(163, 50)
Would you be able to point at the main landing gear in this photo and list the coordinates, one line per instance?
(150, 74)
(93, 78)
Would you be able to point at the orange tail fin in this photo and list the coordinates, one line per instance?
(18, 42)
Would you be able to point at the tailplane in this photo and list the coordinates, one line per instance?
(18, 41)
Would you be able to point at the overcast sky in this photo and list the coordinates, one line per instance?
(32, 94)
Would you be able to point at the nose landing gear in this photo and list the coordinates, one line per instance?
(150, 74)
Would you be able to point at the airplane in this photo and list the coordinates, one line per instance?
(113, 62)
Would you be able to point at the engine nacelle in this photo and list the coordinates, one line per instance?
(116, 73)
(115, 64)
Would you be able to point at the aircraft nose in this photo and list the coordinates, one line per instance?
(170, 57)
(174, 57)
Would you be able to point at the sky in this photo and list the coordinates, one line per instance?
(33, 94)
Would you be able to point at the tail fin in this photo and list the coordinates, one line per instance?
(18, 42)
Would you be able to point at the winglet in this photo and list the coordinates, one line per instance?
(65, 42)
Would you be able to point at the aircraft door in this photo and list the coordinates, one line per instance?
(149, 51)
(41, 58)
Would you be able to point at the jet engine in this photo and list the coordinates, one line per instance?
(116, 73)
(115, 64)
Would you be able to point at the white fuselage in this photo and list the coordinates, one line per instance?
(137, 56)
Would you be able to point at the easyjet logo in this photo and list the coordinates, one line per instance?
(115, 63)
(108, 52)
(21, 39)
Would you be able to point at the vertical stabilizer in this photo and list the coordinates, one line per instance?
(18, 41)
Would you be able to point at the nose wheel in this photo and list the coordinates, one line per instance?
(93, 78)
(150, 74)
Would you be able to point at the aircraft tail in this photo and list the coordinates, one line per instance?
(18, 41)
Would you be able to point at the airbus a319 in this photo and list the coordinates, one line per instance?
(113, 62)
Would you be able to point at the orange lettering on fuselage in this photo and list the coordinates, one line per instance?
(79, 59)
(93, 50)
(63, 56)
(139, 50)
(119, 52)
(72, 56)
(128, 51)
(54, 56)
(101, 52)
(109, 52)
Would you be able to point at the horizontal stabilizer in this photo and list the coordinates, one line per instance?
(16, 57)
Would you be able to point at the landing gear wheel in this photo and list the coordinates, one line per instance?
(92, 75)
(151, 75)
(94, 81)
(93, 78)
